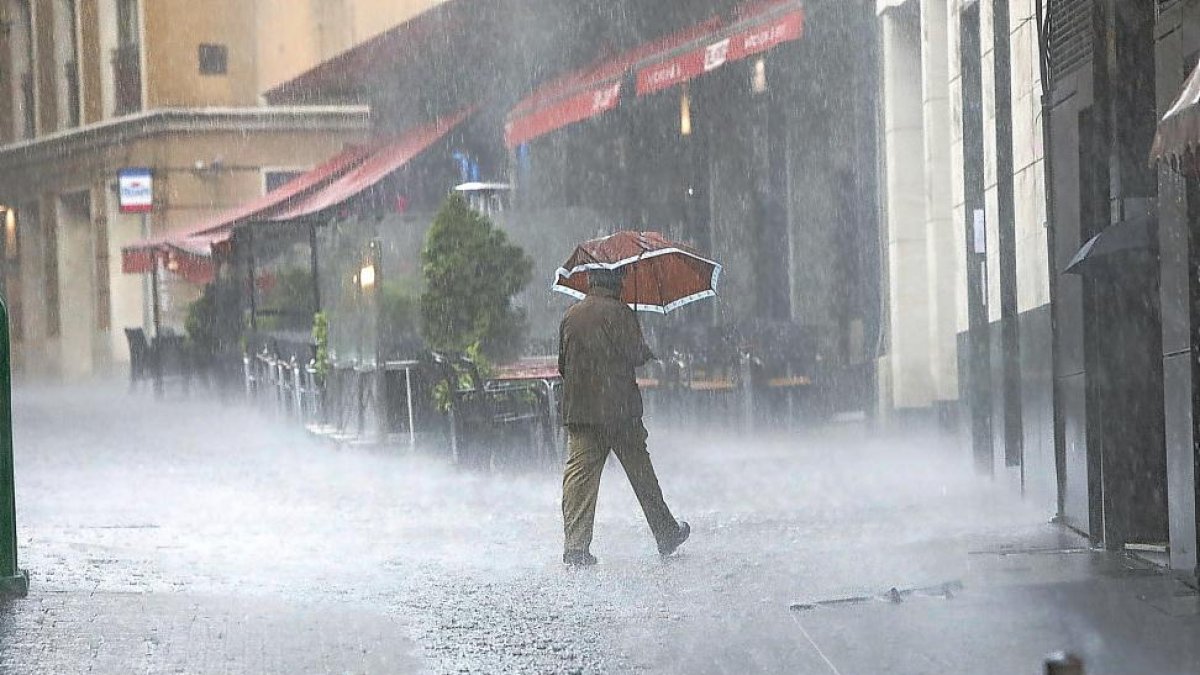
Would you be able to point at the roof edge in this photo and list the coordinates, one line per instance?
(183, 120)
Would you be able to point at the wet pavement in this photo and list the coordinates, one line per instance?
(200, 536)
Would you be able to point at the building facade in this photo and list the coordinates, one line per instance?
(173, 86)
(964, 203)
(1075, 374)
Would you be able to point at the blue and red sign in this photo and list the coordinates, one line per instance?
(135, 190)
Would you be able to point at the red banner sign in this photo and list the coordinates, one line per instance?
(543, 119)
(747, 41)
(762, 37)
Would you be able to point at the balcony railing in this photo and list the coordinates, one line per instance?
(127, 79)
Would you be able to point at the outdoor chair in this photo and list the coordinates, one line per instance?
(172, 360)
(141, 366)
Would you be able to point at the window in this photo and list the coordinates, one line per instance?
(214, 59)
(127, 23)
(127, 60)
(22, 59)
(67, 55)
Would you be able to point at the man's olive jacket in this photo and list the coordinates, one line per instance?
(599, 345)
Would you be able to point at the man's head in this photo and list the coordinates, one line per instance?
(607, 279)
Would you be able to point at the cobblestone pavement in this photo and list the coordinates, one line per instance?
(203, 537)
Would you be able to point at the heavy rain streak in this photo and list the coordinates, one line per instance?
(599, 336)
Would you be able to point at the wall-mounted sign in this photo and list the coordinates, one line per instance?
(979, 230)
(135, 190)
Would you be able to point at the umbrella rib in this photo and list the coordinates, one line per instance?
(662, 298)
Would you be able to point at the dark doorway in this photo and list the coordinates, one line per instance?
(1127, 474)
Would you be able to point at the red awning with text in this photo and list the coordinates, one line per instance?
(756, 29)
(591, 91)
(664, 63)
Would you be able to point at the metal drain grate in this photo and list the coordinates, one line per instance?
(945, 591)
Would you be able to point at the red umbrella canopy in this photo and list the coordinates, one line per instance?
(660, 275)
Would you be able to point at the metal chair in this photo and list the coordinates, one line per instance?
(141, 365)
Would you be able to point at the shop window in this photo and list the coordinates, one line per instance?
(214, 59)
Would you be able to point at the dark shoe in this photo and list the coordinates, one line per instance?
(579, 559)
(681, 535)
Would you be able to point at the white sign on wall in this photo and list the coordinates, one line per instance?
(979, 230)
(135, 190)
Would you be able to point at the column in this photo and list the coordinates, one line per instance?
(940, 240)
(905, 382)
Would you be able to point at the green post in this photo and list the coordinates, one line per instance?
(14, 582)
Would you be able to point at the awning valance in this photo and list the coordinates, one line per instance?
(385, 160)
(671, 60)
(1134, 234)
(198, 239)
(1179, 131)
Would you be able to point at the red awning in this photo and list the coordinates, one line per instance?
(677, 58)
(382, 163)
(588, 92)
(756, 29)
(138, 258)
(194, 265)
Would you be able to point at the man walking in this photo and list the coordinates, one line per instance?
(600, 345)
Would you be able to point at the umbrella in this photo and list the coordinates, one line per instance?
(660, 275)
(1135, 234)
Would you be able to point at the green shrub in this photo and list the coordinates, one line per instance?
(472, 272)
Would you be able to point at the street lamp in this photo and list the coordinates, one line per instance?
(758, 81)
(685, 113)
(10, 233)
(366, 277)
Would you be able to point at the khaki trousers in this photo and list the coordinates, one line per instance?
(588, 447)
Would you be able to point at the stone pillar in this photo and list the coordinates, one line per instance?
(126, 291)
(905, 381)
(941, 244)
(76, 284)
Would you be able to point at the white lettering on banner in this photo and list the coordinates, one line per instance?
(666, 73)
(716, 54)
(603, 99)
(764, 38)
